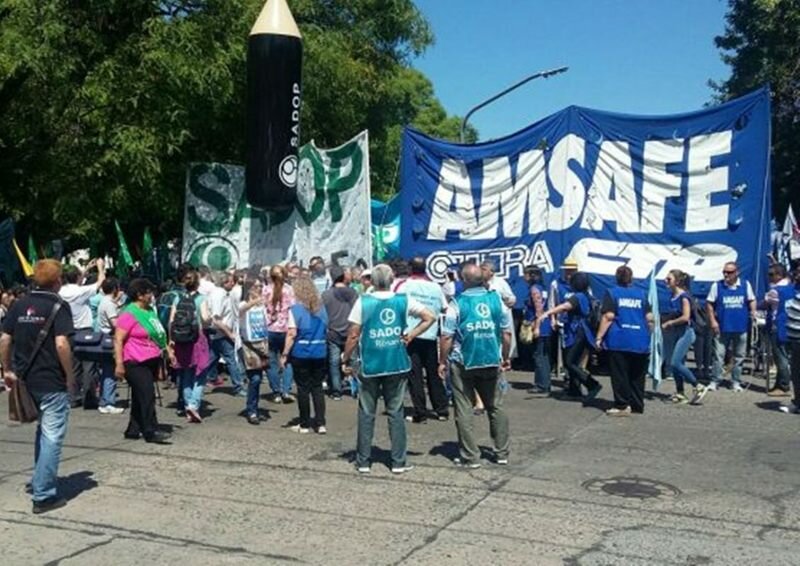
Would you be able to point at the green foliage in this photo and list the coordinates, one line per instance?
(761, 44)
(103, 103)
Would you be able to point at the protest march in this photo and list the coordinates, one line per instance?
(610, 260)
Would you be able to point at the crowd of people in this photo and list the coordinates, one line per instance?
(329, 332)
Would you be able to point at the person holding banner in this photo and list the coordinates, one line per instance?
(678, 321)
(624, 332)
(576, 333)
(535, 307)
(379, 327)
(139, 343)
(730, 306)
(780, 292)
(560, 291)
(476, 342)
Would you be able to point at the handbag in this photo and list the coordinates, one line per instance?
(526, 332)
(22, 408)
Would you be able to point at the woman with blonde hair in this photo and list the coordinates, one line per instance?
(278, 299)
(306, 350)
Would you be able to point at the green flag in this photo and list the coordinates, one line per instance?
(125, 260)
(33, 257)
(147, 245)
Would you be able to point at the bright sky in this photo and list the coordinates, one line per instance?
(631, 56)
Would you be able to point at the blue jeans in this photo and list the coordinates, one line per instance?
(224, 348)
(681, 373)
(393, 390)
(737, 342)
(541, 362)
(780, 352)
(279, 383)
(50, 433)
(108, 384)
(334, 368)
(192, 386)
(254, 377)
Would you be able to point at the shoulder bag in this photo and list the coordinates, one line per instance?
(22, 408)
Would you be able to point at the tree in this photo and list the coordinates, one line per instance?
(761, 44)
(103, 103)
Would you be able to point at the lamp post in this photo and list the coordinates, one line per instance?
(540, 74)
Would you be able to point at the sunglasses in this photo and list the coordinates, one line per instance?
(729, 272)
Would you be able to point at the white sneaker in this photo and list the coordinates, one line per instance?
(322, 430)
(737, 387)
(300, 429)
(790, 409)
(712, 386)
(699, 392)
(111, 410)
(402, 469)
(469, 465)
(502, 461)
(363, 469)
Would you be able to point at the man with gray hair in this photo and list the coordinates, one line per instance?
(476, 340)
(222, 336)
(378, 325)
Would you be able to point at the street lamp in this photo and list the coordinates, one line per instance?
(540, 74)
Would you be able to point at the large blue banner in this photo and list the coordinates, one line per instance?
(688, 191)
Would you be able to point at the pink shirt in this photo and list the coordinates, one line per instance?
(278, 318)
(138, 346)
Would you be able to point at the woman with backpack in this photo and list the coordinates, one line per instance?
(306, 350)
(624, 332)
(139, 342)
(188, 345)
(255, 350)
(678, 322)
(577, 334)
(278, 298)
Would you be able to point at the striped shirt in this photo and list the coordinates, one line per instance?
(793, 318)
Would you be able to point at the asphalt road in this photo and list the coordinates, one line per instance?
(715, 484)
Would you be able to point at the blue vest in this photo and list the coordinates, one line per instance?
(312, 328)
(563, 292)
(546, 328)
(479, 318)
(628, 332)
(785, 294)
(576, 318)
(383, 351)
(731, 308)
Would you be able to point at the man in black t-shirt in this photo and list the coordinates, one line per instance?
(49, 377)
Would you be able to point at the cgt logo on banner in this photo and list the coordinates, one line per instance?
(331, 217)
(689, 192)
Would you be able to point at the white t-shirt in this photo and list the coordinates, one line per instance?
(428, 294)
(714, 291)
(78, 298)
(220, 307)
(107, 313)
(503, 289)
(206, 287)
(414, 308)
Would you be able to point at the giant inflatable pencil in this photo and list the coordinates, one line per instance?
(274, 60)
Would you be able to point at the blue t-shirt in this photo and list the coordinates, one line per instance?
(428, 294)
